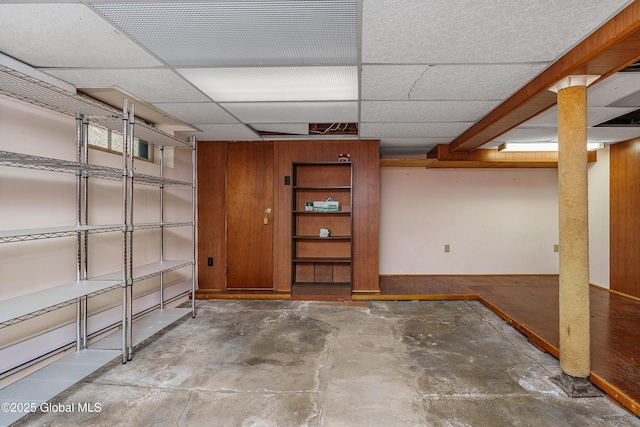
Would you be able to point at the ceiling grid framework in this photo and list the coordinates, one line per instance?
(457, 54)
(413, 74)
(298, 54)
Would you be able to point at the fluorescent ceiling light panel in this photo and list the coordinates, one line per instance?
(541, 146)
(239, 33)
(275, 83)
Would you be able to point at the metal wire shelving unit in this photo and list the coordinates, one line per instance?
(16, 83)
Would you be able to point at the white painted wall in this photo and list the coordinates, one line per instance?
(30, 198)
(497, 221)
(599, 219)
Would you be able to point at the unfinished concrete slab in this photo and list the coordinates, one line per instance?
(292, 363)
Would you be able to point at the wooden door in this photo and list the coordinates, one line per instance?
(249, 215)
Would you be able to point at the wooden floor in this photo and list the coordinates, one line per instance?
(530, 304)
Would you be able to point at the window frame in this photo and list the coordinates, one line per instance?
(109, 149)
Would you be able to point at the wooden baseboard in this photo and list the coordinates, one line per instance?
(243, 296)
(402, 297)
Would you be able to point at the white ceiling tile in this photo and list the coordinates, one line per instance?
(424, 111)
(285, 128)
(612, 135)
(481, 31)
(607, 135)
(595, 116)
(151, 85)
(197, 112)
(275, 83)
(294, 112)
(66, 35)
(412, 130)
(546, 119)
(492, 144)
(632, 100)
(445, 82)
(521, 134)
(237, 33)
(223, 132)
(613, 88)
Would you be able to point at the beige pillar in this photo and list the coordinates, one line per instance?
(574, 228)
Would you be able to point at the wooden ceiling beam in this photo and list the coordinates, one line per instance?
(492, 158)
(609, 49)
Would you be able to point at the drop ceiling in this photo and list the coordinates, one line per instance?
(411, 73)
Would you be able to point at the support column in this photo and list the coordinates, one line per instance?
(575, 341)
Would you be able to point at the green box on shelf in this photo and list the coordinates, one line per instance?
(326, 206)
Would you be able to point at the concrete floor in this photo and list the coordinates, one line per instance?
(282, 363)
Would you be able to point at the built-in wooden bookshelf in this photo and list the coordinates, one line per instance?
(320, 260)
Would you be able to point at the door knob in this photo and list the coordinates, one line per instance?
(267, 211)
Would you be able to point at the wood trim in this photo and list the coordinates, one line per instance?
(615, 393)
(620, 293)
(241, 296)
(211, 214)
(535, 338)
(492, 158)
(624, 217)
(612, 47)
(406, 163)
(365, 200)
(419, 297)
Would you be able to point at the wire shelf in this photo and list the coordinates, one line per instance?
(25, 307)
(56, 165)
(148, 270)
(93, 171)
(9, 236)
(156, 180)
(162, 225)
(23, 87)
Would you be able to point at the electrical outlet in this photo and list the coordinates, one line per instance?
(447, 249)
(210, 262)
(556, 248)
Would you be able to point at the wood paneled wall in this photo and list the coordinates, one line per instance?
(366, 196)
(366, 205)
(211, 214)
(625, 217)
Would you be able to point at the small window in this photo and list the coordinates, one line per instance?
(109, 140)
